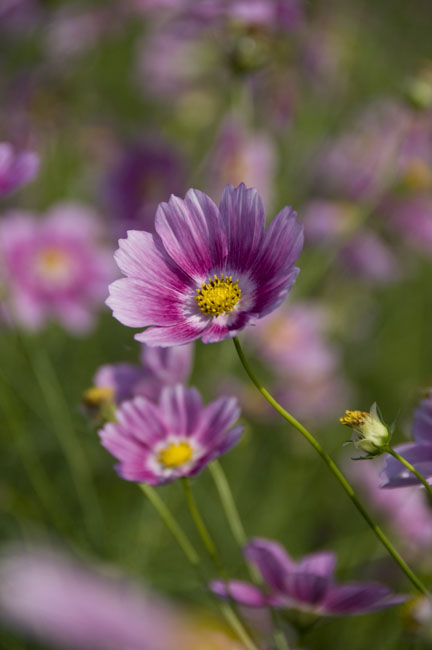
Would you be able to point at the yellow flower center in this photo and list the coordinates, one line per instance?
(218, 296)
(53, 264)
(175, 454)
(354, 418)
(97, 395)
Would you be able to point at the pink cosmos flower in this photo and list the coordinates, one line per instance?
(307, 585)
(16, 169)
(54, 267)
(56, 600)
(178, 436)
(208, 272)
(160, 367)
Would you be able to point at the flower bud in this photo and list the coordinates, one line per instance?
(371, 435)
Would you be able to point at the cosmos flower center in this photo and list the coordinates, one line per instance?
(175, 454)
(53, 264)
(219, 296)
(354, 418)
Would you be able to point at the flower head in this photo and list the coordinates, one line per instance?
(370, 433)
(158, 443)
(54, 267)
(207, 272)
(307, 585)
(16, 169)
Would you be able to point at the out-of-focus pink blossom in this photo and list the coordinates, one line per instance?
(326, 221)
(242, 156)
(368, 256)
(273, 14)
(16, 168)
(55, 267)
(411, 216)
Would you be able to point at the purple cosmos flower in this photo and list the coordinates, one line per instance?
(412, 217)
(307, 585)
(160, 367)
(367, 256)
(158, 443)
(142, 176)
(54, 267)
(417, 453)
(273, 14)
(208, 272)
(16, 169)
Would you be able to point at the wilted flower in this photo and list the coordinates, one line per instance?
(370, 433)
(307, 585)
(160, 367)
(54, 267)
(16, 169)
(158, 443)
(417, 453)
(208, 272)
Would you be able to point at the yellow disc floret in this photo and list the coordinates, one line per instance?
(218, 296)
(354, 418)
(175, 454)
(97, 395)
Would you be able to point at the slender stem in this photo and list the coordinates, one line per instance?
(64, 429)
(228, 503)
(334, 469)
(171, 523)
(201, 527)
(411, 468)
(226, 608)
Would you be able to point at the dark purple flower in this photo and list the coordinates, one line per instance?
(139, 180)
(418, 453)
(160, 367)
(208, 272)
(16, 169)
(307, 585)
(159, 443)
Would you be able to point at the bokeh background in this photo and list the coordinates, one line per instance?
(328, 110)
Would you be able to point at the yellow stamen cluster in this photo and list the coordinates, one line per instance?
(98, 395)
(354, 418)
(175, 454)
(218, 296)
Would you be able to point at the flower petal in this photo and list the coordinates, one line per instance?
(394, 474)
(243, 216)
(181, 408)
(183, 332)
(322, 563)
(242, 592)
(272, 561)
(133, 305)
(360, 598)
(422, 427)
(191, 233)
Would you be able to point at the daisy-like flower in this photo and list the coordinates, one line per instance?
(178, 436)
(55, 267)
(307, 585)
(16, 169)
(208, 272)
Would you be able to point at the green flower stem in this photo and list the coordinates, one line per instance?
(169, 520)
(334, 469)
(238, 532)
(65, 431)
(202, 528)
(171, 523)
(411, 468)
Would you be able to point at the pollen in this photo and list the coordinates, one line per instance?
(354, 418)
(219, 296)
(175, 454)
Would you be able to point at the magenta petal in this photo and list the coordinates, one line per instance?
(394, 474)
(243, 216)
(239, 591)
(191, 233)
(306, 588)
(184, 332)
(170, 365)
(422, 428)
(217, 417)
(272, 561)
(133, 305)
(359, 599)
(181, 408)
(322, 563)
